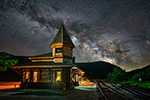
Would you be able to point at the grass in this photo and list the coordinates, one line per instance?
(145, 84)
(41, 93)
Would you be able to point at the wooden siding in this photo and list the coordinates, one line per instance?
(66, 51)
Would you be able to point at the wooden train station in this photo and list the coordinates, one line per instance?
(53, 70)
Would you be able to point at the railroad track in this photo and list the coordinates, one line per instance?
(142, 95)
(106, 92)
(135, 92)
(124, 92)
(101, 91)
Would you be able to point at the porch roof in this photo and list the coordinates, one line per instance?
(43, 64)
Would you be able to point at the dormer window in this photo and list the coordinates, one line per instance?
(58, 50)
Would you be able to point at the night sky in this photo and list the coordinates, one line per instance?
(115, 31)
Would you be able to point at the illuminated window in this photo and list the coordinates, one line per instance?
(34, 76)
(28, 75)
(76, 77)
(58, 50)
(58, 76)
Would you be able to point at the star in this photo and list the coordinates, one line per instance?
(102, 30)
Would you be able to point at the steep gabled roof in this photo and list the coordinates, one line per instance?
(62, 36)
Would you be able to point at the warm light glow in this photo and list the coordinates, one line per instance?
(58, 76)
(76, 77)
(28, 75)
(9, 85)
(35, 77)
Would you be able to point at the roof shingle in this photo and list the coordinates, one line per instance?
(62, 36)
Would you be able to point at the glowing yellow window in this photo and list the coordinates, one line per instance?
(76, 77)
(58, 76)
(28, 75)
(35, 77)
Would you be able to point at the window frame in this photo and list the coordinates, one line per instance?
(56, 50)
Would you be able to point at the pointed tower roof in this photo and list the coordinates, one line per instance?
(62, 36)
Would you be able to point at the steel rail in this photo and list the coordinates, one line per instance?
(139, 95)
(133, 92)
(101, 91)
(116, 92)
(138, 91)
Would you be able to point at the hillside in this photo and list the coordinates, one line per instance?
(137, 75)
(144, 69)
(143, 73)
(97, 70)
(21, 59)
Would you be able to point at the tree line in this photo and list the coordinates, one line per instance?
(120, 75)
(6, 61)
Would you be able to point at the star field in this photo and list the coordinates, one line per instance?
(115, 31)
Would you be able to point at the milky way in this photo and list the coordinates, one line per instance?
(115, 31)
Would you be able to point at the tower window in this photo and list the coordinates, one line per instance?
(58, 50)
